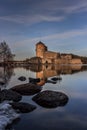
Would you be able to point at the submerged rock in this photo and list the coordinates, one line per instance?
(27, 89)
(49, 81)
(56, 78)
(23, 107)
(2, 83)
(33, 80)
(10, 95)
(22, 78)
(50, 99)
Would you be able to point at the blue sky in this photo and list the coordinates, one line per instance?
(60, 24)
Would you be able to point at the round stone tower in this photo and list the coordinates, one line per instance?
(40, 49)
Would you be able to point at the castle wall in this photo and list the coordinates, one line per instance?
(62, 61)
(51, 55)
(66, 56)
(57, 61)
(76, 61)
(47, 60)
(54, 57)
(65, 61)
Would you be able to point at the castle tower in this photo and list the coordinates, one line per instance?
(40, 49)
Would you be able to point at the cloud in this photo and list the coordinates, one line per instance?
(81, 6)
(81, 50)
(57, 36)
(27, 12)
(67, 6)
(68, 34)
(52, 18)
(64, 35)
(32, 19)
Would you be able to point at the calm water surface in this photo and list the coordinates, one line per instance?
(72, 116)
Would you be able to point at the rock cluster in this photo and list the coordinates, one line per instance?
(47, 99)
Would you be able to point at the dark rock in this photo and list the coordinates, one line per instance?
(22, 78)
(33, 80)
(56, 78)
(2, 83)
(49, 81)
(10, 95)
(2, 97)
(50, 99)
(23, 107)
(27, 89)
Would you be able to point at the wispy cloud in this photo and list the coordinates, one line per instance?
(57, 36)
(51, 18)
(67, 6)
(32, 19)
(80, 6)
(68, 34)
(81, 50)
(48, 11)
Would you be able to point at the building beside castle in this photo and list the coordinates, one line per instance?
(54, 57)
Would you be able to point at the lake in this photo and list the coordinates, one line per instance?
(72, 81)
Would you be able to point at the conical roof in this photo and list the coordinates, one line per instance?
(40, 43)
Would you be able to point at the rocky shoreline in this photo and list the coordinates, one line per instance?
(47, 99)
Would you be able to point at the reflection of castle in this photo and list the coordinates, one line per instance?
(54, 57)
(44, 72)
(55, 70)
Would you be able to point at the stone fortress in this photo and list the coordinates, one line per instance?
(50, 57)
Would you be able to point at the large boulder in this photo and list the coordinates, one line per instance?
(9, 95)
(27, 89)
(50, 99)
(22, 107)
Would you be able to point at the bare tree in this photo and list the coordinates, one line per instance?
(5, 52)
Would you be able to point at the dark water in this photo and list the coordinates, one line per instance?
(71, 116)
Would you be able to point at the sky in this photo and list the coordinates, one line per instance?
(60, 24)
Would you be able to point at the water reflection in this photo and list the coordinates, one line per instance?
(49, 71)
(5, 76)
(15, 122)
(43, 72)
(75, 86)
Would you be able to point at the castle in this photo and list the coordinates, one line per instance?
(49, 57)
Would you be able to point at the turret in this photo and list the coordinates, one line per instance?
(40, 49)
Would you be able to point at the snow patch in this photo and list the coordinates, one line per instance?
(7, 115)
